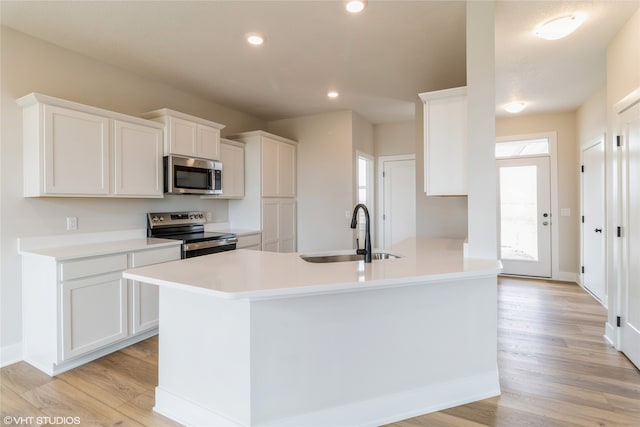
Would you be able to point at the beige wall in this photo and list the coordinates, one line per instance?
(31, 65)
(564, 124)
(391, 139)
(325, 177)
(623, 61)
(591, 118)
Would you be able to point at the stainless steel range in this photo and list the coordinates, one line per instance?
(189, 227)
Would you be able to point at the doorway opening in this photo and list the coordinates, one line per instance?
(526, 192)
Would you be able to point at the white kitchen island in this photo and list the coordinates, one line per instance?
(253, 338)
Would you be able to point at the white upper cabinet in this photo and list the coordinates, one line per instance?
(74, 150)
(278, 168)
(137, 158)
(187, 135)
(232, 158)
(445, 142)
(269, 203)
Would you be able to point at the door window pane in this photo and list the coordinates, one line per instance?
(518, 213)
(528, 147)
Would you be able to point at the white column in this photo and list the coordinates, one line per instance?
(481, 127)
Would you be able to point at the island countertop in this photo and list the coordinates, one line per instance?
(245, 274)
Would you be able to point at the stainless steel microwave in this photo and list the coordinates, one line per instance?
(185, 175)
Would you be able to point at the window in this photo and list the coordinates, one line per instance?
(522, 148)
(365, 192)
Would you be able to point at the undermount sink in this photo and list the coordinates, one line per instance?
(324, 258)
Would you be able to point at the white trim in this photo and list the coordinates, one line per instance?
(380, 184)
(555, 213)
(602, 139)
(377, 411)
(10, 354)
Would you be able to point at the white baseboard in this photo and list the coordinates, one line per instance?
(567, 276)
(611, 335)
(10, 354)
(378, 411)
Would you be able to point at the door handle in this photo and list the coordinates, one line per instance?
(598, 230)
(545, 223)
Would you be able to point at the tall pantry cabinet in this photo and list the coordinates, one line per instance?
(270, 190)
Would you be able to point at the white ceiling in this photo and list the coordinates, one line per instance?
(379, 61)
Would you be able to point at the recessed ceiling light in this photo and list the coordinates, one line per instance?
(333, 94)
(255, 39)
(355, 6)
(560, 27)
(515, 107)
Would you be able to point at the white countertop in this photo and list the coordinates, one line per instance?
(83, 250)
(245, 274)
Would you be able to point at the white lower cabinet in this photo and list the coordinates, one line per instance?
(250, 241)
(279, 225)
(94, 313)
(80, 309)
(144, 297)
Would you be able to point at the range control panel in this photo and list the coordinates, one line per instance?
(169, 219)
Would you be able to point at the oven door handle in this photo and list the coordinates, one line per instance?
(208, 244)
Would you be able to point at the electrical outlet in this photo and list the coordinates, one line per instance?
(209, 216)
(72, 223)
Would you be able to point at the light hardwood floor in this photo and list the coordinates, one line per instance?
(555, 370)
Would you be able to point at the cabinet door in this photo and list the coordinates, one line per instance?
(76, 152)
(270, 225)
(94, 313)
(137, 160)
(208, 143)
(286, 170)
(279, 225)
(144, 297)
(287, 225)
(183, 137)
(269, 167)
(232, 158)
(445, 140)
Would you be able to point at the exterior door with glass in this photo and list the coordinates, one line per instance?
(524, 210)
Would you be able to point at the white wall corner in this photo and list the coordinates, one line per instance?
(10, 354)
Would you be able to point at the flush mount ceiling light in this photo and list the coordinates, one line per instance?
(560, 27)
(255, 39)
(333, 94)
(514, 107)
(355, 6)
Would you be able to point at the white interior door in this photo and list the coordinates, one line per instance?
(593, 221)
(524, 209)
(630, 295)
(398, 200)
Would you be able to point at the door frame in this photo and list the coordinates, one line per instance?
(552, 137)
(613, 196)
(601, 139)
(380, 185)
(542, 163)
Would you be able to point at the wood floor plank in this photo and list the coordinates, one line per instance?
(60, 399)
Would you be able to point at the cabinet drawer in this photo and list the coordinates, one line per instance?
(155, 256)
(92, 266)
(251, 240)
